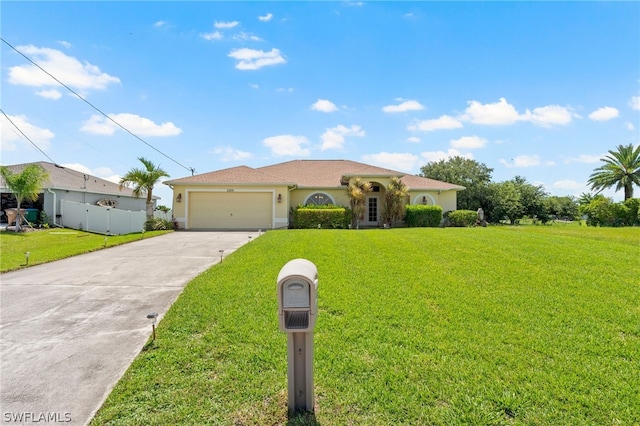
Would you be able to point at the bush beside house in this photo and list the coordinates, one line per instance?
(325, 216)
(423, 216)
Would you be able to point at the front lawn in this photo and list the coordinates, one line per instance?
(47, 245)
(475, 326)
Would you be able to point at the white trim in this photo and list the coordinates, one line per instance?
(306, 200)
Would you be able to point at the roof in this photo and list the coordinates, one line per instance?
(240, 175)
(310, 174)
(68, 179)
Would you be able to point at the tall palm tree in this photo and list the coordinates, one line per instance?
(143, 181)
(621, 168)
(25, 185)
(357, 191)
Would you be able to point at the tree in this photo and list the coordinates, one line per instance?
(532, 198)
(394, 201)
(25, 185)
(504, 202)
(471, 174)
(357, 191)
(143, 181)
(621, 168)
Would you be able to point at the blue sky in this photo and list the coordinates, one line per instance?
(536, 89)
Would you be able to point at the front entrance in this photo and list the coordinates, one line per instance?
(371, 213)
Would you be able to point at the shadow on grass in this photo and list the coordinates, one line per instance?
(302, 418)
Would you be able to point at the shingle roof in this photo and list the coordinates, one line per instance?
(235, 175)
(310, 174)
(73, 180)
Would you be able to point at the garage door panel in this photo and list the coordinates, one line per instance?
(230, 210)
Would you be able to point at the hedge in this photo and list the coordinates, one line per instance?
(327, 216)
(462, 218)
(423, 216)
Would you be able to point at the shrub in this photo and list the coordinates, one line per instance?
(462, 218)
(633, 204)
(423, 216)
(327, 216)
(158, 224)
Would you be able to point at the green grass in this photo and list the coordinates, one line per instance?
(499, 325)
(47, 245)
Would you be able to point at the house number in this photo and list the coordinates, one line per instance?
(229, 190)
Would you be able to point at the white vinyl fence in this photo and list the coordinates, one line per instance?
(103, 220)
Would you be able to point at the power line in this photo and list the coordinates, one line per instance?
(95, 108)
(25, 136)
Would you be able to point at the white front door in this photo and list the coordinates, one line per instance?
(371, 213)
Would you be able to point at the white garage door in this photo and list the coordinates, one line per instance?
(230, 210)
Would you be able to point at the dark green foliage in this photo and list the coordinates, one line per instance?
(423, 216)
(602, 211)
(158, 224)
(462, 218)
(327, 216)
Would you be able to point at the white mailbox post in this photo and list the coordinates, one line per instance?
(297, 311)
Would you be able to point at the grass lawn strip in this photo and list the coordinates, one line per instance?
(416, 326)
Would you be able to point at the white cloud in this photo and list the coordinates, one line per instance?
(10, 135)
(102, 172)
(629, 126)
(334, 137)
(393, 160)
(634, 103)
(160, 24)
(324, 105)
(140, 126)
(435, 156)
(569, 184)
(503, 113)
(498, 113)
(67, 69)
(287, 145)
(251, 59)
(49, 94)
(226, 25)
(525, 161)
(469, 142)
(549, 115)
(413, 139)
(215, 35)
(254, 86)
(604, 114)
(266, 18)
(441, 123)
(227, 153)
(64, 44)
(285, 89)
(584, 158)
(403, 107)
(242, 36)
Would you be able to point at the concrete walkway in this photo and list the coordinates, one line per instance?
(70, 329)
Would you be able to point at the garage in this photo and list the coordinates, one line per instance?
(230, 210)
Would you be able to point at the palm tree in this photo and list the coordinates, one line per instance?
(356, 191)
(25, 185)
(143, 181)
(394, 201)
(621, 168)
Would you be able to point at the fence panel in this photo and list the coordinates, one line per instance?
(103, 220)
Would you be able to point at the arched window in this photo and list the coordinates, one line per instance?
(319, 199)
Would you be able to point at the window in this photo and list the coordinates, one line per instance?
(319, 199)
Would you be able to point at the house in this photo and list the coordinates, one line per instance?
(262, 198)
(65, 184)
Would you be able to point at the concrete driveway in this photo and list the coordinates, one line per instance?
(70, 329)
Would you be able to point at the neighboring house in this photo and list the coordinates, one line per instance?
(262, 198)
(64, 184)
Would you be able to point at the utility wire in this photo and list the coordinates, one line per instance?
(96, 108)
(26, 137)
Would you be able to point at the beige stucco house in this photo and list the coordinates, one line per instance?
(262, 198)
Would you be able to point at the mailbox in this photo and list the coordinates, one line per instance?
(297, 309)
(298, 296)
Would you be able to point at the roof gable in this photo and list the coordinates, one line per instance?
(233, 175)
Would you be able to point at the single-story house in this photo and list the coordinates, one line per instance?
(262, 198)
(70, 185)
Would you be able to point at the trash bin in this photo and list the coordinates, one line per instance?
(31, 215)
